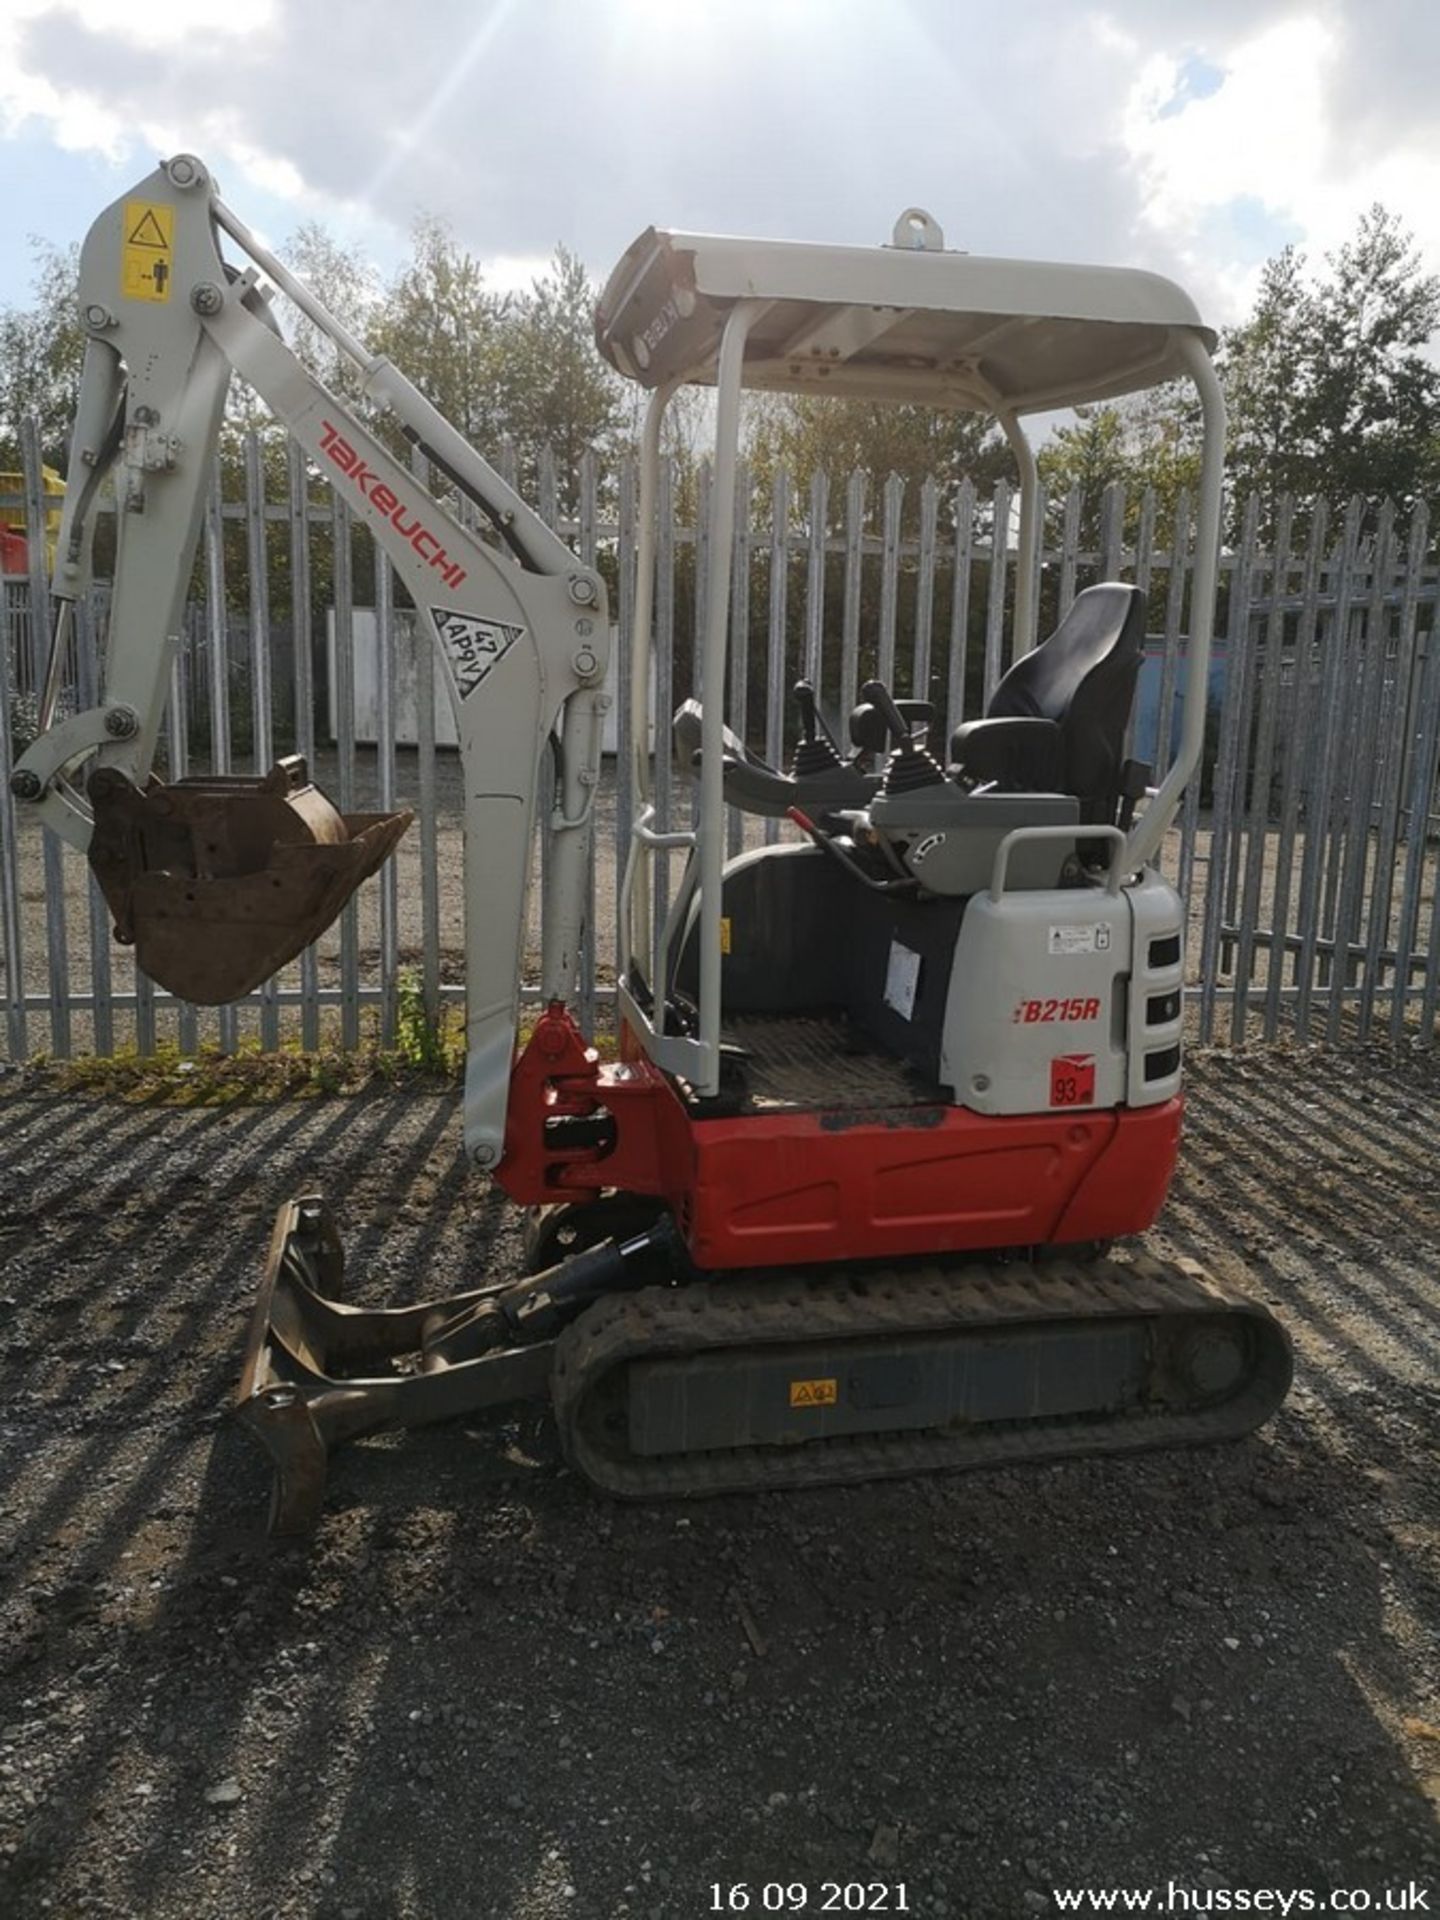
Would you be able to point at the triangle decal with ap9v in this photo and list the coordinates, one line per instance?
(472, 646)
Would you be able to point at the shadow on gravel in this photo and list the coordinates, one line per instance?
(483, 1690)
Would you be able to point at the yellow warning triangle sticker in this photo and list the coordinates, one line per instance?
(149, 233)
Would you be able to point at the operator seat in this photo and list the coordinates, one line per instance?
(1056, 722)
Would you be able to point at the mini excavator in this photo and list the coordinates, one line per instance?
(887, 1088)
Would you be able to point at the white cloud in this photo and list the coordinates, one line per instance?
(1266, 155)
(157, 23)
(1193, 136)
(80, 118)
(1260, 135)
(515, 272)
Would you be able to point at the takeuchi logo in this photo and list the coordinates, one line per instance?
(385, 501)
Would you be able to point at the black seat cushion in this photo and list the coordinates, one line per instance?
(1083, 680)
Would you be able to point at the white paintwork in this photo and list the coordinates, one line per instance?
(1056, 948)
(1157, 912)
(996, 1060)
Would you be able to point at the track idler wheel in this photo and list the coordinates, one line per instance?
(218, 881)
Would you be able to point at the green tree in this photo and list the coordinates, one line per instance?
(41, 350)
(346, 285)
(1089, 455)
(551, 386)
(840, 437)
(439, 324)
(1328, 384)
(1148, 440)
(1262, 367)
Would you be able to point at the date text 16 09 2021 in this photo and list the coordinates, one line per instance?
(798, 1896)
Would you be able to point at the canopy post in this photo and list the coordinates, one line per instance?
(1149, 829)
(1027, 557)
(710, 830)
(635, 931)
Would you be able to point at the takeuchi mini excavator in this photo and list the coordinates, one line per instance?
(887, 1088)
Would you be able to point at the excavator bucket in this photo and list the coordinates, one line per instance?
(217, 881)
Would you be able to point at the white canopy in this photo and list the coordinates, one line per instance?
(910, 321)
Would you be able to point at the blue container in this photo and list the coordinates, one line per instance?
(1147, 699)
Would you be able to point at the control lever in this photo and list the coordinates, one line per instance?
(911, 765)
(879, 697)
(813, 754)
(829, 844)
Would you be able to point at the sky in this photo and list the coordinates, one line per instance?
(1195, 139)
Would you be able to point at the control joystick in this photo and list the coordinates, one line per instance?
(814, 752)
(911, 765)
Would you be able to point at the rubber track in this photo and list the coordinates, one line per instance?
(667, 1321)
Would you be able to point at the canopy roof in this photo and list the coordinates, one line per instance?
(909, 322)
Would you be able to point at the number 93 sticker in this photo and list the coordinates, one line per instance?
(1072, 1080)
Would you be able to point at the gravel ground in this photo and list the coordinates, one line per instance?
(485, 1691)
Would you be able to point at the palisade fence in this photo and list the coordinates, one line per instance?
(1308, 850)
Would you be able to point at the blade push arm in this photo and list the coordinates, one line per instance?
(523, 642)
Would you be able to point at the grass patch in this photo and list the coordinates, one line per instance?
(249, 1075)
(428, 1055)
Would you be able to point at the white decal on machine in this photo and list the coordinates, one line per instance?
(1068, 940)
(472, 646)
(902, 980)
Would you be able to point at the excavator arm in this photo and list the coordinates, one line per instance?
(194, 870)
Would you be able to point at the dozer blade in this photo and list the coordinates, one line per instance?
(218, 881)
(318, 1371)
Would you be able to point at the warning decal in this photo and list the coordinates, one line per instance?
(1068, 940)
(472, 646)
(814, 1393)
(148, 231)
(147, 256)
(1072, 1080)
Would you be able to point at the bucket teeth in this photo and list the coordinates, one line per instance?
(218, 881)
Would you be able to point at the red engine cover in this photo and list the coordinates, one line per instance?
(795, 1189)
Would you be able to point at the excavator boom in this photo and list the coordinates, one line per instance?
(219, 880)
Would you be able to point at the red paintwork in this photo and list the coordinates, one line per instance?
(557, 1076)
(798, 1189)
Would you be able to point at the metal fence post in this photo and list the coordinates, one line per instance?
(1227, 788)
(1296, 720)
(57, 937)
(960, 605)
(854, 573)
(1258, 840)
(775, 638)
(995, 602)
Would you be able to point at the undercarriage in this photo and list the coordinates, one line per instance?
(668, 1385)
